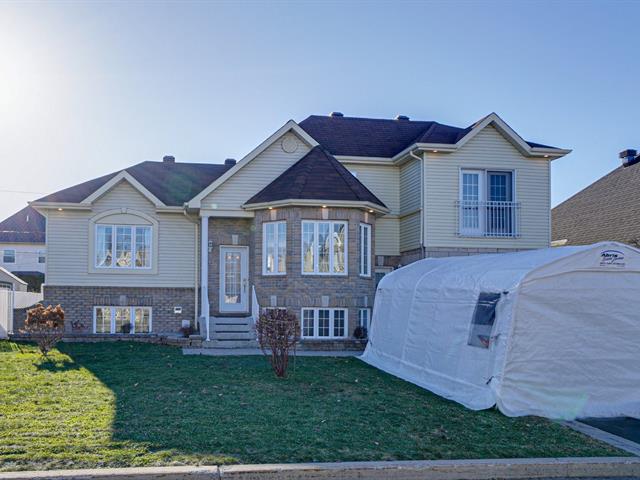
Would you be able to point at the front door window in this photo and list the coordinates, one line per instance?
(233, 279)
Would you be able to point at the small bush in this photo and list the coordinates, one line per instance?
(360, 332)
(278, 331)
(46, 325)
(186, 331)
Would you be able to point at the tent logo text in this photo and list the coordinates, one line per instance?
(612, 258)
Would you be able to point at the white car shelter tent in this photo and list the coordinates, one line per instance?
(553, 332)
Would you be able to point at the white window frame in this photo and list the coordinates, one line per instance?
(113, 309)
(114, 228)
(316, 256)
(368, 323)
(483, 195)
(41, 256)
(277, 254)
(365, 272)
(332, 311)
(4, 253)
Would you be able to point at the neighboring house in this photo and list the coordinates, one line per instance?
(305, 221)
(9, 281)
(22, 246)
(608, 209)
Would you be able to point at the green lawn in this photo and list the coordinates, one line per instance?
(126, 404)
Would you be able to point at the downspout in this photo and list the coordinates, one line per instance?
(421, 160)
(196, 269)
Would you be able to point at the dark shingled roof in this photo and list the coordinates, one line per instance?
(376, 137)
(26, 226)
(608, 209)
(316, 176)
(173, 183)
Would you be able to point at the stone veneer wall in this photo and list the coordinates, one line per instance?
(78, 303)
(295, 290)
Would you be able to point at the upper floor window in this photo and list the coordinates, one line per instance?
(365, 250)
(123, 246)
(324, 248)
(41, 256)
(9, 256)
(487, 205)
(274, 248)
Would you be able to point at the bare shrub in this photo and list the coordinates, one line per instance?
(45, 325)
(278, 331)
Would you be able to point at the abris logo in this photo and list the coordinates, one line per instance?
(612, 258)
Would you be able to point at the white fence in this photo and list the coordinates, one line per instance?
(6, 312)
(10, 300)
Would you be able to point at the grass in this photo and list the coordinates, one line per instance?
(126, 404)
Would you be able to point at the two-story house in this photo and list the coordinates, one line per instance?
(22, 246)
(305, 221)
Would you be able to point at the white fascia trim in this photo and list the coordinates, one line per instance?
(43, 206)
(208, 212)
(170, 209)
(316, 203)
(364, 160)
(289, 126)
(124, 175)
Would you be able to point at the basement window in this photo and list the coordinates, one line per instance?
(124, 320)
(484, 316)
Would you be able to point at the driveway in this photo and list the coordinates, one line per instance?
(624, 427)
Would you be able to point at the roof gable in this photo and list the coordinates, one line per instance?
(164, 183)
(385, 138)
(25, 226)
(316, 176)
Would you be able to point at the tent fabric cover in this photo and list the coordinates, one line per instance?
(565, 341)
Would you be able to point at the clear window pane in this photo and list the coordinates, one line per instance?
(104, 246)
(123, 247)
(363, 318)
(141, 321)
(483, 319)
(338, 323)
(103, 320)
(307, 323)
(323, 323)
(270, 247)
(338, 247)
(41, 257)
(232, 278)
(324, 247)
(123, 317)
(282, 247)
(308, 246)
(143, 247)
(365, 254)
(9, 256)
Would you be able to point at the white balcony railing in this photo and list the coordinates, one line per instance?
(488, 219)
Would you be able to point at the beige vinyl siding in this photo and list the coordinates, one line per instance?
(387, 236)
(489, 150)
(384, 182)
(410, 205)
(410, 232)
(68, 254)
(254, 176)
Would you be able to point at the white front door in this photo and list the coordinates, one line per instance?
(234, 279)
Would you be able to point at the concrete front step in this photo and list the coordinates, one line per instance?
(231, 327)
(231, 320)
(234, 336)
(219, 343)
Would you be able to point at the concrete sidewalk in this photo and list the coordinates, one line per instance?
(507, 469)
(224, 352)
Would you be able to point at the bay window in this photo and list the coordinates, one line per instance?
(324, 323)
(324, 248)
(274, 248)
(123, 246)
(122, 320)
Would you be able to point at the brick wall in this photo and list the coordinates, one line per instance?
(78, 303)
(295, 290)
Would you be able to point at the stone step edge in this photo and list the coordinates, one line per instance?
(529, 468)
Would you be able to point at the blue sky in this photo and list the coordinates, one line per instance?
(86, 89)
